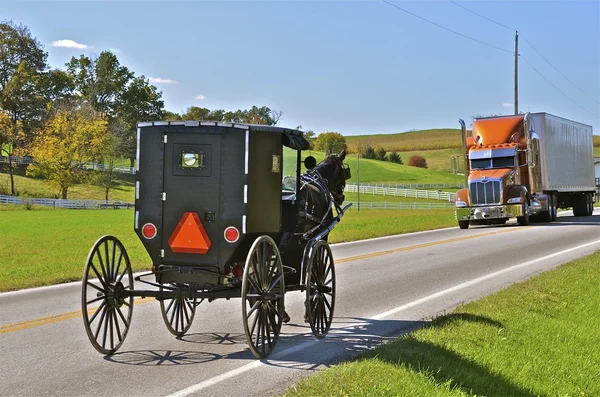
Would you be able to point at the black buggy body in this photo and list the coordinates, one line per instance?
(218, 212)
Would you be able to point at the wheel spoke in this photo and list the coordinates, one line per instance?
(111, 322)
(255, 321)
(122, 317)
(112, 262)
(253, 309)
(95, 287)
(98, 309)
(105, 327)
(95, 300)
(100, 278)
(118, 263)
(117, 328)
(275, 282)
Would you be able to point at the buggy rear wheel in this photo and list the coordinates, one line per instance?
(320, 289)
(107, 276)
(263, 293)
(177, 313)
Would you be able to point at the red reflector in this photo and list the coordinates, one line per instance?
(231, 234)
(149, 231)
(190, 236)
(237, 271)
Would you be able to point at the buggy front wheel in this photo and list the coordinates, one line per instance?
(263, 293)
(320, 289)
(105, 305)
(177, 313)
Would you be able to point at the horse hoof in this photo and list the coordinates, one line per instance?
(286, 317)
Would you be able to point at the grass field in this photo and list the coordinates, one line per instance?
(537, 338)
(47, 246)
(31, 187)
(444, 138)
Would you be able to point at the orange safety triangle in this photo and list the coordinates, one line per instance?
(190, 236)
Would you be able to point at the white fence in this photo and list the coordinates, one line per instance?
(401, 192)
(59, 203)
(398, 205)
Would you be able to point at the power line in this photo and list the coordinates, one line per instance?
(554, 67)
(557, 89)
(445, 28)
(484, 17)
(531, 45)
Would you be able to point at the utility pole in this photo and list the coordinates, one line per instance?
(516, 72)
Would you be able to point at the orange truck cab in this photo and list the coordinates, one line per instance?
(525, 167)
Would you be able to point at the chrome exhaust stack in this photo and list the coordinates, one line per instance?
(463, 129)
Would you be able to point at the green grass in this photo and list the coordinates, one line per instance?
(359, 225)
(444, 138)
(537, 338)
(32, 187)
(46, 246)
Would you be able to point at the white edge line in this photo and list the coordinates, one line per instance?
(238, 371)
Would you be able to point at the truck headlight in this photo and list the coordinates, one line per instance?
(515, 200)
(460, 204)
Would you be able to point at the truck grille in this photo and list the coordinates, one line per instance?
(485, 193)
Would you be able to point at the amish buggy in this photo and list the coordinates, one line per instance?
(219, 221)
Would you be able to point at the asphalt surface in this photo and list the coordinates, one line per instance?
(385, 287)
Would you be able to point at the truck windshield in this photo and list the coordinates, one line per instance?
(495, 162)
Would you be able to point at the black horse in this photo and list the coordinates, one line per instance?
(321, 192)
(322, 188)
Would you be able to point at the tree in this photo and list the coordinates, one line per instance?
(75, 134)
(110, 153)
(115, 91)
(380, 153)
(331, 140)
(139, 102)
(395, 158)
(171, 116)
(22, 59)
(417, 161)
(101, 80)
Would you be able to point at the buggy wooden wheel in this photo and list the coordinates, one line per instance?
(263, 293)
(105, 305)
(320, 289)
(178, 313)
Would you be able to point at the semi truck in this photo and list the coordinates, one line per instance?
(525, 166)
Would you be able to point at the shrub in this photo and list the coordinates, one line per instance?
(395, 158)
(417, 161)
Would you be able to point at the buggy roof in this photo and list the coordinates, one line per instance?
(292, 138)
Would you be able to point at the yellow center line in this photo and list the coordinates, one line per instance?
(66, 316)
(417, 246)
(56, 318)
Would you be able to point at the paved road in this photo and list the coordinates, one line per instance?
(386, 286)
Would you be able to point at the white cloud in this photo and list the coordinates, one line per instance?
(160, 80)
(114, 50)
(200, 97)
(507, 104)
(69, 44)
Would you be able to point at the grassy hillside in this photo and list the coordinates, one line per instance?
(445, 138)
(384, 171)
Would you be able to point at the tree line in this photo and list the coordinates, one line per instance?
(85, 112)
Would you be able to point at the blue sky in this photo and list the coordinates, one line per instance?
(356, 67)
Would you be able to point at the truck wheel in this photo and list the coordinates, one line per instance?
(554, 208)
(463, 224)
(523, 220)
(590, 202)
(579, 202)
